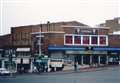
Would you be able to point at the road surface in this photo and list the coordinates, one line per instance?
(109, 75)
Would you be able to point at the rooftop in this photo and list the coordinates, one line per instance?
(62, 23)
(86, 27)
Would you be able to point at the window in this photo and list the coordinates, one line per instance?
(68, 39)
(102, 40)
(77, 39)
(85, 39)
(94, 40)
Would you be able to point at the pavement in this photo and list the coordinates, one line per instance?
(102, 74)
(81, 69)
(70, 69)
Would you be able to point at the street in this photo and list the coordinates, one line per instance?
(109, 75)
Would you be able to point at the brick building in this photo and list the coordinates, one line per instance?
(5, 43)
(22, 39)
(114, 24)
(71, 41)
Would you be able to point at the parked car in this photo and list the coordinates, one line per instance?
(4, 72)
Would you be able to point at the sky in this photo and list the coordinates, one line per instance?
(27, 12)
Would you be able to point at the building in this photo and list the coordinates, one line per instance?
(114, 24)
(71, 41)
(5, 46)
(79, 43)
(22, 42)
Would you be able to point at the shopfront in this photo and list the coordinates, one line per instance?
(113, 54)
(81, 48)
(23, 59)
(89, 57)
(98, 55)
(23, 65)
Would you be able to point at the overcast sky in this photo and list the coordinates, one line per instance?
(27, 12)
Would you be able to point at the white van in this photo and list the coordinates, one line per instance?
(56, 64)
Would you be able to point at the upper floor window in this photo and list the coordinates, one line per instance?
(77, 39)
(68, 39)
(85, 39)
(94, 40)
(102, 40)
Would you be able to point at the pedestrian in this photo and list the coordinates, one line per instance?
(22, 70)
(75, 66)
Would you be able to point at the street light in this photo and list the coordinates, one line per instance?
(39, 43)
(11, 53)
(39, 36)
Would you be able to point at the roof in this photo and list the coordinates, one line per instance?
(62, 23)
(48, 32)
(86, 27)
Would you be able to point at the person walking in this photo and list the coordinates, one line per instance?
(75, 66)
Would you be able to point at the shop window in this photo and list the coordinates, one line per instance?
(102, 40)
(94, 40)
(68, 39)
(85, 39)
(77, 40)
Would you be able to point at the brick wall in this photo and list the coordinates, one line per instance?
(114, 40)
(5, 40)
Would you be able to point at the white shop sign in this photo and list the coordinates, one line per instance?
(25, 61)
(23, 49)
(85, 52)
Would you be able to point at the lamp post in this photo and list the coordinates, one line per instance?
(39, 43)
(11, 53)
(39, 40)
(10, 61)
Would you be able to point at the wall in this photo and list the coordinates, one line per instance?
(113, 24)
(5, 40)
(114, 40)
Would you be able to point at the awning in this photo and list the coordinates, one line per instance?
(65, 48)
(78, 48)
(106, 49)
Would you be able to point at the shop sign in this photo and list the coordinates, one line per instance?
(99, 52)
(25, 61)
(79, 52)
(86, 52)
(23, 49)
(73, 52)
(114, 53)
